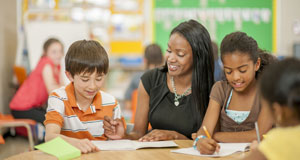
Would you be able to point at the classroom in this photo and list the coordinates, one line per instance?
(149, 79)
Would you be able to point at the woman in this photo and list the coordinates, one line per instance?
(173, 98)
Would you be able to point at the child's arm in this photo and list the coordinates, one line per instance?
(48, 78)
(84, 145)
(206, 145)
(141, 121)
(255, 154)
(113, 128)
(265, 123)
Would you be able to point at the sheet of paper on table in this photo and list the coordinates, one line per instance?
(225, 150)
(131, 145)
(59, 148)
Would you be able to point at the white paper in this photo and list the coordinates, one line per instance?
(131, 145)
(225, 150)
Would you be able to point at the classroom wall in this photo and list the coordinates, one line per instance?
(8, 39)
(288, 12)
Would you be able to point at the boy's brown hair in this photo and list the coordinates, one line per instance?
(154, 55)
(86, 56)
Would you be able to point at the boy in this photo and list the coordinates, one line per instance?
(76, 112)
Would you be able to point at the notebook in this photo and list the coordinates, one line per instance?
(60, 149)
(225, 150)
(131, 145)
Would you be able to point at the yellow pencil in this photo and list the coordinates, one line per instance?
(206, 132)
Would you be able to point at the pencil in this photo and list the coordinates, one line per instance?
(206, 132)
(257, 132)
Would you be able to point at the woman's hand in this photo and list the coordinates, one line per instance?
(113, 128)
(159, 135)
(207, 146)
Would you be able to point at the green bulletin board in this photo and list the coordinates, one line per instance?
(220, 17)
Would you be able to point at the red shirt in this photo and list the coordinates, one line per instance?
(33, 92)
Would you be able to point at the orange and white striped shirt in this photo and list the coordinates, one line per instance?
(64, 111)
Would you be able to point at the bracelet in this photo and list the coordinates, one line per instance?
(196, 140)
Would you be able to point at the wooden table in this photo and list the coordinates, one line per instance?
(141, 154)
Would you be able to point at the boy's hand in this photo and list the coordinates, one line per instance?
(113, 128)
(159, 135)
(84, 145)
(207, 146)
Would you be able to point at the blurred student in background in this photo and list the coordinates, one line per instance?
(32, 95)
(280, 91)
(218, 73)
(153, 58)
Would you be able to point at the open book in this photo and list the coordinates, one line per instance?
(131, 145)
(225, 150)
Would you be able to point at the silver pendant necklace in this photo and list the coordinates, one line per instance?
(177, 97)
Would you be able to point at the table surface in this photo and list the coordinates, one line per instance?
(145, 154)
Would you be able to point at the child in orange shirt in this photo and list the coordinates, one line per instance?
(76, 112)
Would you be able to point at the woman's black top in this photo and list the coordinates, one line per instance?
(163, 114)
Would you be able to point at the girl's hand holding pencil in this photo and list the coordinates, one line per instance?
(205, 144)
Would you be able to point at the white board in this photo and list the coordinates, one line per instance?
(37, 32)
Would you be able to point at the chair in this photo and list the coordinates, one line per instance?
(133, 104)
(20, 73)
(2, 141)
(9, 121)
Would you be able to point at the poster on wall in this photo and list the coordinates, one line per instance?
(220, 17)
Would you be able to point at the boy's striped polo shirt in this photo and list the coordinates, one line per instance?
(64, 111)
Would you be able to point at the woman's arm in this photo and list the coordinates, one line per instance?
(265, 123)
(142, 111)
(48, 78)
(140, 123)
(255, 154)
(114, 129)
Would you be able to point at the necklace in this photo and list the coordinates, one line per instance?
(177, 97)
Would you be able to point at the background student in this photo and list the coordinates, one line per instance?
(173, 98)
(280, 90)
(153, 58)
(234, 103)
(76, 112)
(218, 69)
(33, 94)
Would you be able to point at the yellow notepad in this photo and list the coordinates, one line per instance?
(59, 148)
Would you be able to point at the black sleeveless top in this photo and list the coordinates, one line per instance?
(163, 114)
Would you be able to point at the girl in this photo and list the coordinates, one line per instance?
(33, 93)
(280, 90)
(234, 104)
(173, 98)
